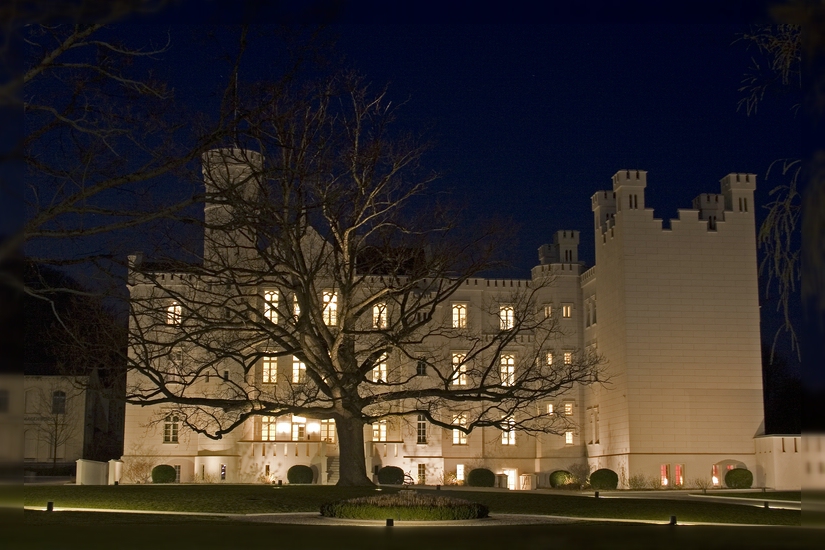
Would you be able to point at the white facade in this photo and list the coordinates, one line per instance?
(57, 423)
(677, 322)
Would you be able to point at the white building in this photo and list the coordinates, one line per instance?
(674, 310)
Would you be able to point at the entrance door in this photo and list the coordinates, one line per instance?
(511, 477)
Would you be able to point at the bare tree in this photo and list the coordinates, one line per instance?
(325, 286)
(55, 410)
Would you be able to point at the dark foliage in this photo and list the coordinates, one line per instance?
(604, 479)
(163, 473)
(562, 479)
(299, 474)
(739, 478)
(391, 475)
(481, 477)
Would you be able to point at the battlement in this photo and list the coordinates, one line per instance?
(565, 248)
(631, 178)
(224, 169)
(738, 181)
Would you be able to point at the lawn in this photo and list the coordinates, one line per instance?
(795, 496)
(250, 499)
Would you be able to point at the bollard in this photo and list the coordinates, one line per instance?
(672, 520)
(116, 483)
(597, 494)
(438, 487)
(767, 505)
(389, 522)
(280, 482)
(50, 506)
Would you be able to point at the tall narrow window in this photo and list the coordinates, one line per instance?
(508, 433)
(550, 408)
(548, 311)
(171, 426)
(548, 359)
(568, 357)
(379, 315)
(421, 429)
(568, 409)
(421, 368)
(177, 473)
(714, 475)
(299, 371)
(459, 370)
(591, 427)
(268, 428)
(379, 430)
(459, 437)
(508, 369)
(459, 315)
(269, 366)
(296, 307)
(59, 402)
(594, 310)
(299, 430)
(379, 373)
(567, 310)
(328, 430)
(422, 474)
(271, 305)
(507, 316)
(679, 475)
(596, 424)
(664, 474)
(173, 314)
(330, 307)
(459, 472)
(568, 438)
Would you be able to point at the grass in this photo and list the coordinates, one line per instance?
(78, 530)
(772, 495)
(405, 505)
(249, 499)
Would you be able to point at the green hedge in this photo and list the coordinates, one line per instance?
(163, 473)
(481, 477)
(406, 505)
(604, 479)
(739, 478)
(562, 479)
(391, 475)
(299, 474)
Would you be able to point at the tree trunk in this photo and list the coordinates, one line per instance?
(353, 470)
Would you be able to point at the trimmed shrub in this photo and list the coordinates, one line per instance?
(391, 475)
(604, 479)
(562, 479)
(163, 473)
(481, 477)
(739, 478)
(405, 505)
(299, 474)
(637, 482)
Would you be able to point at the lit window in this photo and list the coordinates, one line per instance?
(567, 310)
(59, 402)
(459, 472)
(173, 314)
(268, 428)
(548, 359)
(271, 305)
(421, 368)
(596, 424)
(508, 317)
(296, 307)
(379, 373)
(299, 430)
(459, 315)
(379, 315)
(379, 431)
(568, 438)
(459, 437)
(508, 434)
(422, 474)
(328, 430)
(508, 370)
(459, 370)
(330, 308)
(269, 366)
(170, 428)
(568, 357)
(421, 429)
(568, 409)
(299, 371)
(664, 474)
(550, 408)
(679, 475)
(548, 311)
(714, 478)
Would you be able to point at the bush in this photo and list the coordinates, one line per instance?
(391, 475)
(739, 478)
(562, 479)
(299, 474)
(163, 473)
(604, 479)
(406, 505)
(481, 477)
(637, 482)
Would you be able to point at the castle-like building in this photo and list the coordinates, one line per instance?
(674, 312)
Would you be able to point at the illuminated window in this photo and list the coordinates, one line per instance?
(271, 305)
(379, 315)
(330, 307)
(568, 409)
(296, 307)
(379, 373)
(422, 474)
(508, 370)
(421, 368)
(59, 402)
(679, 475)
(550, 408)
(568, 438)
(268, 432)
(664, 474)
(421, 429)
(379, 431)
(328, 430)
(299, 429)
(459, 437)
(299, 371)
(177, 473)
(568, 357)
(459, 370)
(567, 310)
(596, 424)
(508, 432)
(171, 425)
(173, 314)
(459, 315)
(548, 311)
(269, 366)
(548, 359)
(507, 315)
(459, 472)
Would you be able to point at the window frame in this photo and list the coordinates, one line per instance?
(459, 437)
(330, 311)
(271, 298)
(508, 436)
(269, 369)
(507, 369)
(299, 371)
(171, 429)
(380, 370)
(459, 369)
(421, 430)
(174, 314)
(59, 402)
(379, 431)
(507, 317)
(459, 314)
